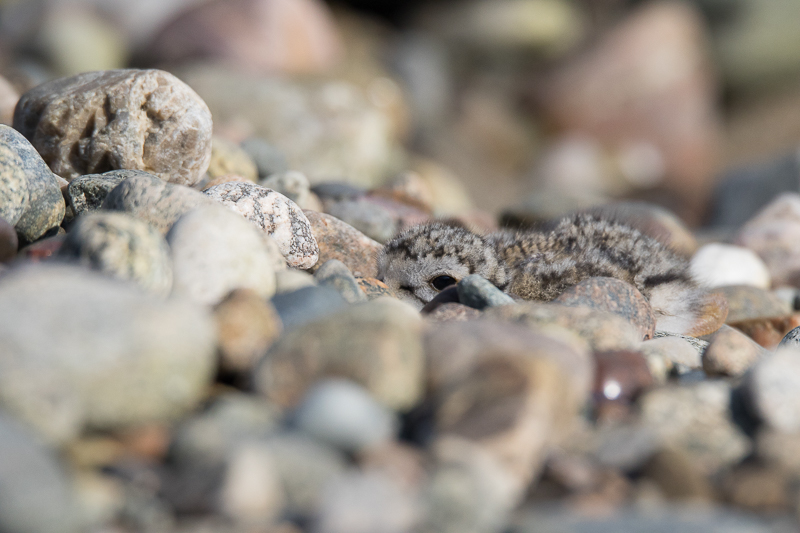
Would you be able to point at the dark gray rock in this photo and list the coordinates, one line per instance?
(479, 293)
(9, 242)
(88, 192)
(336, 275)
(306, 305)
(369, 218)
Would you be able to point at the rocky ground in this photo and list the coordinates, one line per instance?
(192, 335)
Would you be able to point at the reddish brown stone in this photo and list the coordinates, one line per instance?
(374, 288)
(339, 240)
(44, 248)
(620, 376)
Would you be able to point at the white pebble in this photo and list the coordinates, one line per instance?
(716, 265)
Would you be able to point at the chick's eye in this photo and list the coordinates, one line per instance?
(442, 282)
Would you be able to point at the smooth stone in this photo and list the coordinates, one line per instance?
(247, 326)
(375, 288)
(675, 473)
(746, 302)
(696, 418)
(385, 356)
(251, 491)
(228, 158)
(295, 186)
(447, 295)
(215, 251)
(344, 415)
(336, 275)
(46, 207)
(36, 494)
(220, 180)
(373, 220)
(612, 296)
(339, 240)
(476, 291)
(759, 488)
(8, 100)
(87, 193)
(337, 191)
(267, 157)
(289, 280)
(307, 304)
(13, 185)
(113, 356)
(731, 353)
(118, 119)
(772, 389)
(121, 246)
(792, 339)
(9, 242)
(718, 265)
(667, 354)
(153, 200)
(620, 376)
(453, 311)
(274, 214)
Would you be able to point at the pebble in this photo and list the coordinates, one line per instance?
(731, 353)
(307, 304)
(718, 265)
(8, 100)
(620, 376)
(226, 178)
(45, 208)
(453, 311)
(477, 292)
(118, 119)
(791, 339)
(228, 158)
(678, 478)
(87, 193)
(612, 296)
(385, 357)
(295, 186)
(373, 220)
(215, 251)
(9, 242)
(374, 288)
(336, 275)
(344, 415)
(289, 280)
(267, 158)
(247, 326)
(665, 354)
(113, 356)
(153, 200)
(746, 302)
(251, 492)
(274, 214)
(772, 388)
(339, 240)
(37, 495)
(13, 185)
(121, 246)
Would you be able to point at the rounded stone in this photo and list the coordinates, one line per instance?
(9, 242)
(375, 221)
(215, 251)
(122, 246)
(268, 159)
(339, 240)
(731, 353)
(336, 275)
(476, 291)
(13, 185)
(118, 119)
(295, 186)
(228, 158)
(717, 265)
(307, 304)
(773, 390)
(374, 288)
(153, 200)
(791, 339)
(247, 326)
(746, 302)
(274, 214)
(87, 193)
(112, 356)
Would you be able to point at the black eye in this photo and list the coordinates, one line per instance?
(442, 282)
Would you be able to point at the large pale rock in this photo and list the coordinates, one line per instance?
(274, 214)
(215, 251)
(13, 186)
(773, 390)
(717, 265)
(79, 350)
(118, 119)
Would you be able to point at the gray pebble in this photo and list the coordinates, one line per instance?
(88, 192)
(306, 305)
(268, 158)
(336, 275)
(369, 218)
(791, 339)
(13, 185)
(479, 293)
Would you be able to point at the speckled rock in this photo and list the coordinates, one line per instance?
(228, 158)
(773, 390)
(386, 356)
(136, 119)
(717, 265)
(375, 288)
(373, 220)
(336, 275)
(295, 186)
(215, 250)
(13, 185)
(153, 200)
(274, 214)
(112, 357)
(226, 178)
(731, 353)
(791, 339)
(453, 311)
(268, 159)
(612, 296)
(121, 246)
(87, 193)
(339, 240)
(9, 242)
(247, 327)
(476, 291)
(46, 207)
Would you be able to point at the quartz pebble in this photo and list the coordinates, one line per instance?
(274, 214)
(118, 119)
(717, 265)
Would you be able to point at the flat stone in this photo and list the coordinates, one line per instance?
(121, 246)
(274, 214)
(339, 240)
(336, 275)
(475, 291)
(13, 185)
(731, 353)
(87, 193)
(153, 200)
(118, 119)
(215, 251)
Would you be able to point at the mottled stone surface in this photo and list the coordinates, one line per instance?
(118, 119)
(121, 246)
(731, 353)
(13, 185)
(153, 200)
(274, 214)
(87, 193)
(339, 240)
(453, 311)
(613, 296)
(215, 250)
(46, 207)
(374, 288)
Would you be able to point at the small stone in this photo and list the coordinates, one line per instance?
(8, 100)
(385, 357)
(612, 296)
(307, 304)
(228, 158)
(215, 251)
(773, 390)
(375, 288)
(678, 478)
(758, 488)
(336, 275)
(731, 353)
(792, 339)
(121, 246)
(45, 208)
(227, 178)
(274, 214)
(247, 326)
(342, 414)
(9, 243)
(87, 193)
(13, 185)
(267, 158)
(289, 280)
(118, 119)
(375, 221)
(620, 377)
(43, 248)
(746, 302)
(295, 186)
(475, 291)
(339, 240)
(153, 200)
(718, 265)
(251, 491)
(453, 311)
(665, 354)
(406, 212)
(779, 448)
